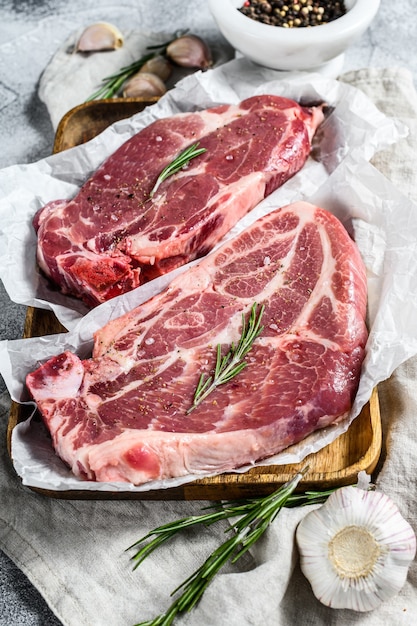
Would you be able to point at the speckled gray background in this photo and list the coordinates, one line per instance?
(30, 33)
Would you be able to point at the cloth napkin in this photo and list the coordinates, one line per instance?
(74, 552)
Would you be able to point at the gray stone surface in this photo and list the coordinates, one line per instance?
(30, 32)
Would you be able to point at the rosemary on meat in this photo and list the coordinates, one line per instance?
(254, 515)
(231, 364)
(114, 82)
(180, 161)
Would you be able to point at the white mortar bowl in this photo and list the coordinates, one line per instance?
(293, 48)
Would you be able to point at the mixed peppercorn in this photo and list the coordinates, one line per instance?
(298, 14)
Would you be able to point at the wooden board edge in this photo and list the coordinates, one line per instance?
(92, 107)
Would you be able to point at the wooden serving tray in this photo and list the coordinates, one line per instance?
(336, 465)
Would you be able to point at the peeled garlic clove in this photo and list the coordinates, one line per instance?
(100, 36)
(190, 51)
(158, 65)
(355, 550)
(143, 85)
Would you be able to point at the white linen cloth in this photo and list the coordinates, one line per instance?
(74, 551)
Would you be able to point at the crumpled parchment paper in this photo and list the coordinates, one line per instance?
(383, 222)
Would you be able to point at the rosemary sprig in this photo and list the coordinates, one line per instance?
(231, 364)
(158, 536)
(180, 161)
(255, 515)
(113, 83)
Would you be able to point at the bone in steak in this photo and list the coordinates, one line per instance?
(112, 237)
(121, 415)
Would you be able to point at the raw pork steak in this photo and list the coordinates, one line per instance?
(122, 415)
(112, 237)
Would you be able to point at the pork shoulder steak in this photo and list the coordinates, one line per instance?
(112, 236)
(122, 415)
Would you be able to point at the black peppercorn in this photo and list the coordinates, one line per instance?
(293, 14)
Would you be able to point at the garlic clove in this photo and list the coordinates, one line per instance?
(144, 84)
(98, 37)
(158, 65)
(190, 51)
(355, 550)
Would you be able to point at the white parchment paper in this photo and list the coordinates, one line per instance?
(383, 222)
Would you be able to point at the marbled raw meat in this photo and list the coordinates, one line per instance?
(112, 237)
(122, 415)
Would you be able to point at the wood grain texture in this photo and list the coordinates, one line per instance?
(337, 464)
(87, 120)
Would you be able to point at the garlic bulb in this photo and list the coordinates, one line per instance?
(158, 65)
(190, 51)
(143, 85)
(355, 550)
(100, 36)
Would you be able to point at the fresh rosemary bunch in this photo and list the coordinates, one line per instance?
(231, 364)
(113, 83)
(180, 161)
(254, 515)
